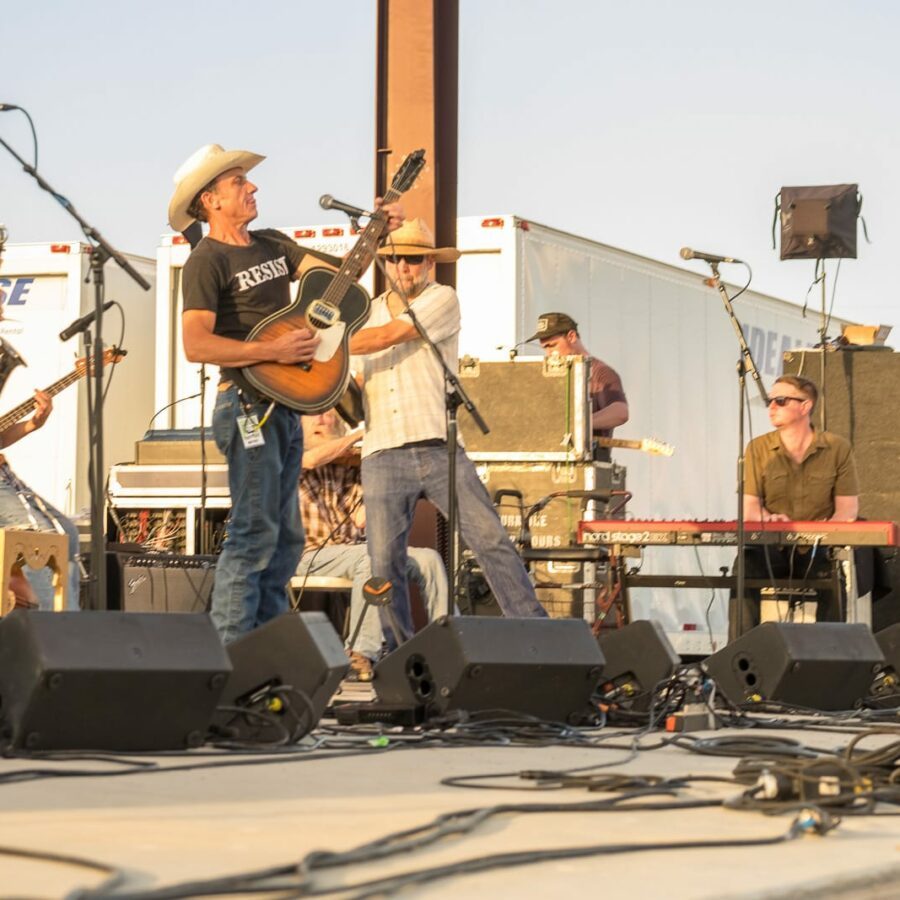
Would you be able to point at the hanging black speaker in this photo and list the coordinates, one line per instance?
(822, 665)
(108, 680)
(819, 222)
(638, 657)
(284, 675)
(547, 668)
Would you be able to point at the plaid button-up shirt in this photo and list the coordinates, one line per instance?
(328, 497)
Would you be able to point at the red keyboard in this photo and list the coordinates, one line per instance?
(654, 532)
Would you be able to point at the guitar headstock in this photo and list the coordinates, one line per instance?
(408, 171)
(111, 355)
(656, 448)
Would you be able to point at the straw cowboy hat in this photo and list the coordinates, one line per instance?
(197, 171)
(414, 238)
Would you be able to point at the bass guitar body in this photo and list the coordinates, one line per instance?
(316, 386)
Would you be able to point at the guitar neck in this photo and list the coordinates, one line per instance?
(23, 409)
(363, 252)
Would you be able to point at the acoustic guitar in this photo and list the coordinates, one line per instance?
(333, 305)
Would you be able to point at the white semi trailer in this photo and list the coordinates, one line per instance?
(43, 288)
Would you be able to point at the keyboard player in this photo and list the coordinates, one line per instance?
(794, 473)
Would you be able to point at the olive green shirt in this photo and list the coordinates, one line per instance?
(806, 491)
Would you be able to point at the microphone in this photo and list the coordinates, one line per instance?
(81, 324)
(687, 253)
(6, 107)
(326, 201)
(514, 350)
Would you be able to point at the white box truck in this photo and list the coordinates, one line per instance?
(661, 326)
(44, 287)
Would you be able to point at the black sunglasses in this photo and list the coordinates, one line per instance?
(783, 401)
(413, 260)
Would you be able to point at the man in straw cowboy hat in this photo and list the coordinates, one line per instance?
(232, 280)
(404, 453)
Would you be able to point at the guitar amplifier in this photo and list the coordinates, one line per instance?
(554, 391)
(556, 525)
(167, 583)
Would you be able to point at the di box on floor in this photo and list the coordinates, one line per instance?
(822, 665)
(638, 657)
(284, 675)
(547, 668)
(108, 680)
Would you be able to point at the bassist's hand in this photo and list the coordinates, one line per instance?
(294, 346)
(43, 405)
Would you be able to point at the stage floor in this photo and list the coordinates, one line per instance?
(166, 826)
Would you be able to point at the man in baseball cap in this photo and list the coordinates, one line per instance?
(558, 333)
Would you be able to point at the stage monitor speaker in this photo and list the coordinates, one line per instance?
(108, 680)
(284, 675)
(547, 668)
(889, 641)
(860, 400)
(822, 665)
(638, 657)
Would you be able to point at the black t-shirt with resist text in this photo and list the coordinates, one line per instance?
(241, 285)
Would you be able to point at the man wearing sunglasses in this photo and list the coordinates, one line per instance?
(795, 473)
(404, 452)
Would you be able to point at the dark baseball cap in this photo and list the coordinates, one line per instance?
(551, 324)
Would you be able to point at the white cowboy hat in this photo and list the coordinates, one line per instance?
(197, 171)
(415, 238)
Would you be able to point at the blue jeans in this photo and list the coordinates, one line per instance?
(423, 565)
(265, 534)
(20, 507)
(394, 480)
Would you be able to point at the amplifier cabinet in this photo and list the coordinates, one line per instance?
(176, 584)
(562, 594)
(557, 524)
(536, 409)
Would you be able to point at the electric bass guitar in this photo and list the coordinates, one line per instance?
(332, 305)
(112, 355)
(648, 445)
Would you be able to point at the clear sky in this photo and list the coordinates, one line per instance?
(646, 125)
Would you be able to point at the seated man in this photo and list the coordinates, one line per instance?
(790, 474)
(334, 521)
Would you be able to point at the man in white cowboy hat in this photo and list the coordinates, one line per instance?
(404, 452)
(232, 280)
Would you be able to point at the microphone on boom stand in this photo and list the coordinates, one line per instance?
(326, 201)
(687, 253)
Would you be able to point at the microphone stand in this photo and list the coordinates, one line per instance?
(745, 365)
(102, 251)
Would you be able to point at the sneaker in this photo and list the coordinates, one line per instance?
(360, 667)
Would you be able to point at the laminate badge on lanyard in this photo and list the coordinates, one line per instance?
(250, 432)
